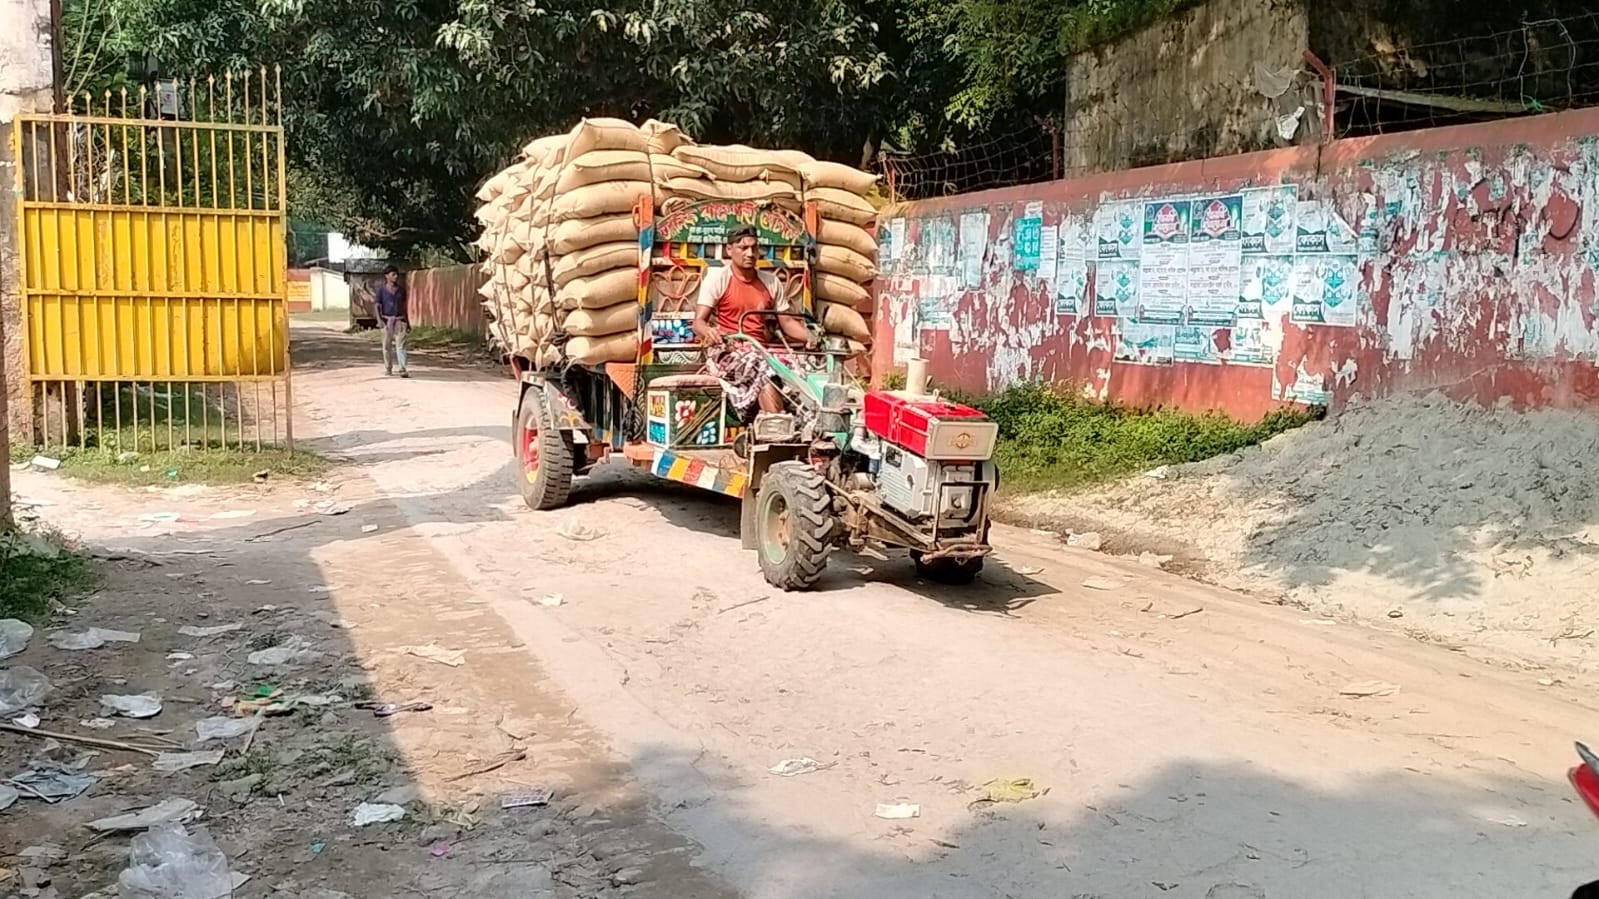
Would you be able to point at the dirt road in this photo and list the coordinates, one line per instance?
(1193, 743)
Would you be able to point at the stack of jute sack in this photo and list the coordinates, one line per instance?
(561, 246)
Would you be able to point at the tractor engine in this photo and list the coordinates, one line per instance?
(930, 459)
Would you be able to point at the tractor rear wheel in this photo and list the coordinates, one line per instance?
(543, 455)
(794, 524)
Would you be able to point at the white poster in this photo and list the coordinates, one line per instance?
(1049, 258)
(971, 249)
(1118, 230)
(896, 238)
(1215, 260)
(1269, 220)
(1071, 273)
(1325, 290)
(1163, 268)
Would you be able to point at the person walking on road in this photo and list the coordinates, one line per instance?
(392, 319)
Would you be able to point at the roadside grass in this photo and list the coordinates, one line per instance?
(432, 337)
(210, 465)
(38, 568)
(1054, 439)
(143, 435)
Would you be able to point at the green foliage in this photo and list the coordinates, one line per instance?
(397, 110)
(37, 568)
(1054, 439)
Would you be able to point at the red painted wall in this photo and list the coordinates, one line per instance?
(1477, 248)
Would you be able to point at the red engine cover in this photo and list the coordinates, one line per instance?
(930, 428)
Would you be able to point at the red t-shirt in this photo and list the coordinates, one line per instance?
(743, 296)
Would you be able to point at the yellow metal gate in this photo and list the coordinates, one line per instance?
(154, 267)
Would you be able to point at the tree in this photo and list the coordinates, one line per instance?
(397, 109)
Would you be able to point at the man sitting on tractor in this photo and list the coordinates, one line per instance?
(727, 293)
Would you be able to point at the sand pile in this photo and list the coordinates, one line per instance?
(1469, 526)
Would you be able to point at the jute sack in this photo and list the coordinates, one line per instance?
(545, 150)
(794, 159)
(547, 357)
(600, 291)
(605, 134)
(579, 234)
(738, 164)
(663, 137)
(597, 350)
(834, 289)
(508, 252)
(610, 198)
(844, 321)
(515, 280)
(699, 189)
(594, 260)
(492, 215)
(837, 175)
(543, 182)
(622, 317)
(832, 232)
(624, 165)
(842, 205)
(845, 263)
(493, 187)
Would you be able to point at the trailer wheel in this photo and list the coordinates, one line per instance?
(947, 570)
(543, 456)
(794, 524)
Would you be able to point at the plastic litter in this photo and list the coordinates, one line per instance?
(221, 728)
(579, 532)
(168, 811)
(169, 862)
(53, 781)
(139, 705)
(97, 723)
(796, 767)
(45, 462)
(14, 636)
(91, 638)
(527, 799)
(898, 810)
(1012, 789)
(171, 762)
(285, 652)
(1088, 540)
(386, 709)
(1369, 688)
(21, 687)
(433, 652)
(8, 796)
(192, 631)
(552, 600)
(28, 720)
(1105, 583)
(376, 813)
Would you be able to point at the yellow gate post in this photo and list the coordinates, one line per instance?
(154, 267)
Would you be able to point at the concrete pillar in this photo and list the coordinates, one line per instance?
(26, 85)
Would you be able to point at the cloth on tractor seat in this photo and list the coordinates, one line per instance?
(743, 371)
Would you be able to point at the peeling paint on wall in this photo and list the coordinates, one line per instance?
(1470, 255)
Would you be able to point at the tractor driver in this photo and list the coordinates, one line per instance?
(726, 294)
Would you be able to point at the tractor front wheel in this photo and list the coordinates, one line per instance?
(543, 456)
(794, 524)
